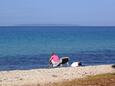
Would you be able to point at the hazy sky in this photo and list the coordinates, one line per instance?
(76, 12)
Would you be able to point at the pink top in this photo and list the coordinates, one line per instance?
(55, 58)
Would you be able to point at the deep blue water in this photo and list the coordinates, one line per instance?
(27, 47)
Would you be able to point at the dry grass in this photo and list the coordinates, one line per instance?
(97, 80)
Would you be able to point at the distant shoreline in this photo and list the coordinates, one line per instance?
(54, 26)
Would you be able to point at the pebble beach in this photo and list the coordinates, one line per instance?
(35, 77)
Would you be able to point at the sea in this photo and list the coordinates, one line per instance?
(30, 47)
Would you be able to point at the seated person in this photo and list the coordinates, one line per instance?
(54, 60)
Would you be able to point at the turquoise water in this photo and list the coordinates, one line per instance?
(39, 42)
(34, 40)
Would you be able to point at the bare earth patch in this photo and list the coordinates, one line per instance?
(97, 80)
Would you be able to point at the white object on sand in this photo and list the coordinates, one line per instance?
(75, 64)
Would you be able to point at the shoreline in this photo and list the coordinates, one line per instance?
(38, 77)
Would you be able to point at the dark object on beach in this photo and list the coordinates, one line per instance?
(64, 60)
(113, 66)
(79, 63)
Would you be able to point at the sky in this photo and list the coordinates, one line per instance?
(68, 12)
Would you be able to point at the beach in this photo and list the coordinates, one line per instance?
(36, 77)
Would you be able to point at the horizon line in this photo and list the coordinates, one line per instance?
(53, 26)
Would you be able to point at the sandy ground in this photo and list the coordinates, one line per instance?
(35, 77)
